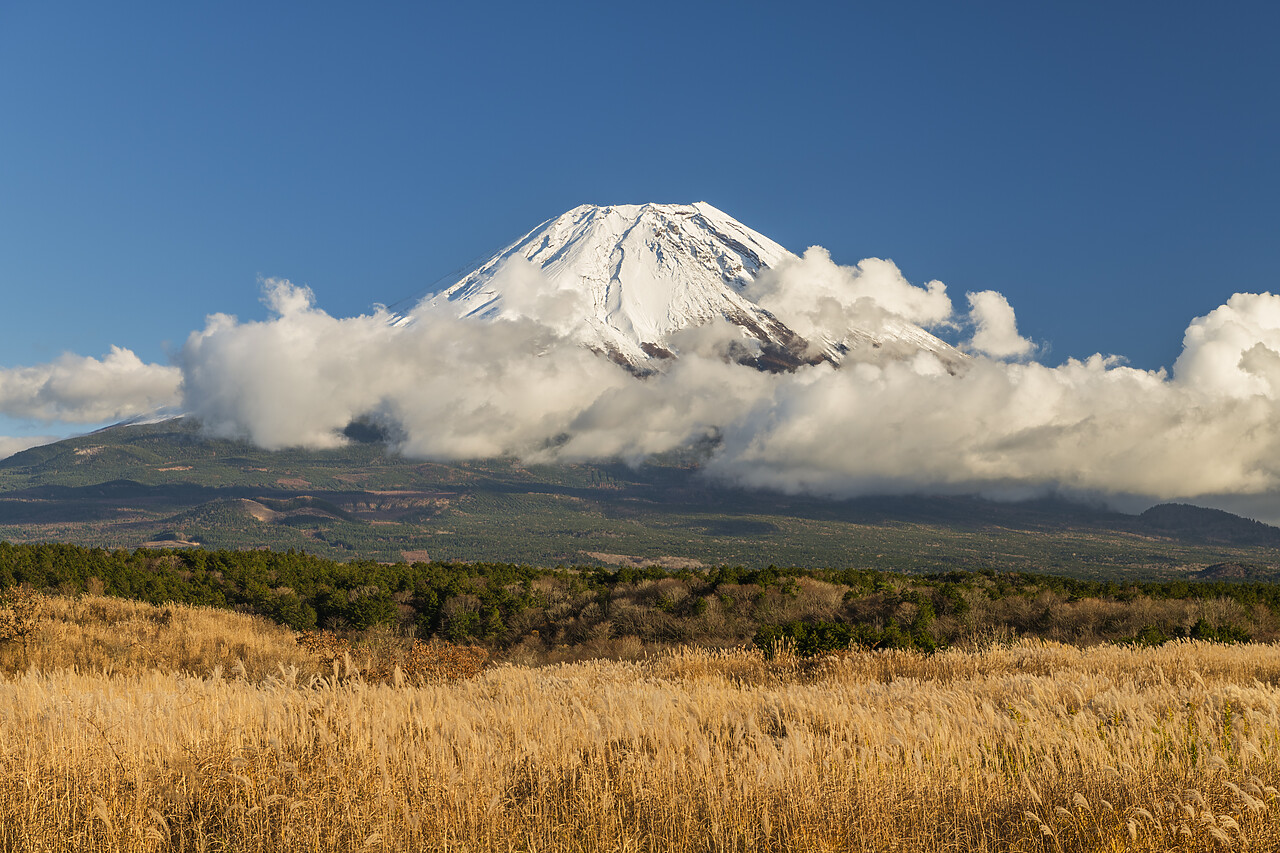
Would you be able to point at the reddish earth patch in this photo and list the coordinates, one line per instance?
(640, 562)
(258, 511)
(169, 543)
(293, 482)
(418, 556)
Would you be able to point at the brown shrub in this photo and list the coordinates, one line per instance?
(19, 609)
(417, 661)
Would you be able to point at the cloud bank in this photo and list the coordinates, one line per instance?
(78, 389)
(453, 388)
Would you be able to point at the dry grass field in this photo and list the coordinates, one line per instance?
(130, 728)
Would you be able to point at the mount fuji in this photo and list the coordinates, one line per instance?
(625, 279)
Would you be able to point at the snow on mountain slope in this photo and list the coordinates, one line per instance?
(623, 278)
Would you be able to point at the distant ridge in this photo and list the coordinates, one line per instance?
(1199, 524)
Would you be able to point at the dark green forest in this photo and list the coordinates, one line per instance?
(601, 610)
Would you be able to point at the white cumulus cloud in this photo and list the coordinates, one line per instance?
(80, 389)
(820, 299)
(995, 327)
(1232, 351)
(456, 388)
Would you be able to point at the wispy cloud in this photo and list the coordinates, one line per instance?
(10, 445)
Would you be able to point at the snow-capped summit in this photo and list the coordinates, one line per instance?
(624, 278)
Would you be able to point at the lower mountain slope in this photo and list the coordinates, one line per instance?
(166, 485)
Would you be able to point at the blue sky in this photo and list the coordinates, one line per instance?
(1110, 168)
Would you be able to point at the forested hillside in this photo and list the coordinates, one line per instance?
(169, 485)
